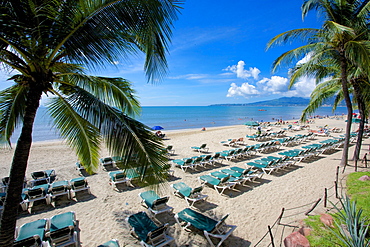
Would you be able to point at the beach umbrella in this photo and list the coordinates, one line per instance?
(157, 127)
(251, 123)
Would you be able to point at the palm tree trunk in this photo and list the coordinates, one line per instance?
(347, 99)
(18, 170)
(362, 109)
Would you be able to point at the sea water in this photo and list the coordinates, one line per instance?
(190, 117)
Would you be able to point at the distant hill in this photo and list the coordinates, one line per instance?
(284, 101)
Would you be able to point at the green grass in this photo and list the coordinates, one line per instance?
(358, 191)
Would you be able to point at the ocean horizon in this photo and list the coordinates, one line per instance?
(191, 117)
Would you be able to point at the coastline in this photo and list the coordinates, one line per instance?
(101, 215)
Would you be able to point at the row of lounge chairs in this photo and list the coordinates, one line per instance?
(118, 177)
(201, 148)
(196, 161)
(59, 230)
(266, 135)
(229, 178)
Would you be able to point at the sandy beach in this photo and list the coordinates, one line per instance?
(102, 214)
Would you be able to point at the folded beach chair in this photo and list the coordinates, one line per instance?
(210, 227)
(219, 185)
(79, 184)
(201, 148)
(110, 243)
(59, 188)
(154, 203)
(31, 234)
(62, 230)
(149, 234)
(117, 177)
(36, 193)
(47, 174)
(190, 195)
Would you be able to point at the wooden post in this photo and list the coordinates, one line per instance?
(355, 165)
(337, 174)
(325, 197)
(336, 189)
(271, 236)
(281, 215)
(313, 207)
(365, 159)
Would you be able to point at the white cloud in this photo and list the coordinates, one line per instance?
(275, 84)
(243, 73)
(245, 90)
(302, 88)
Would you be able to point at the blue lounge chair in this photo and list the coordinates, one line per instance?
(201, 148)
(106, 162)
(219, 185)
(62, 230)
(154, 203)
(31, 234)
(79, 184)
(210, 227)
(184, 164)
(110, 243)
(117, 177)
(190, 195)
(59, 188)
(147, 231)
(36, 193)
(47, 174)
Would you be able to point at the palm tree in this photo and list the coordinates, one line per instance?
(342, 40)
(49, 43)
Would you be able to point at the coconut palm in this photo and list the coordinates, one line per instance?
(49, 43)
(342, 40)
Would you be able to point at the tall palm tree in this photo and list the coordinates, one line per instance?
(342, 40)
(49, 43)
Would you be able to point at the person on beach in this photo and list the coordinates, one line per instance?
(204, 129)
(160, 134)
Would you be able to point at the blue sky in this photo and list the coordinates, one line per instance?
(218, 55)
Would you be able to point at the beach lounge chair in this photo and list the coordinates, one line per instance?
(117, 177)
(219, 185)
(210, 227)
(110, 243)
(190, 195)
(184, 164)
(31, 234)
(237, 175)
(36, 193)
(149, 234)
(47, 174)
(216, 157)
(59, 188)
(201, 148)
(79, 167)
(251, 174)
(62, 230)
(230, 142)
(240, 141)
(79, 184)
(106, 162)
(170, 149)
(154, 203)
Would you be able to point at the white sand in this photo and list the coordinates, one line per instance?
(102, 214)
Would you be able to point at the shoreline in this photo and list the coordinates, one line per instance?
(101, 215)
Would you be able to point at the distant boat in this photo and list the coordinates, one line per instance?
(262, 110)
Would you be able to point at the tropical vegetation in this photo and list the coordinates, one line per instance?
(48, 45)
(338, 51)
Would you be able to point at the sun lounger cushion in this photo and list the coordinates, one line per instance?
(182, 188)
(29, 232)
(142, 225)
(198, 220)
(110, 243)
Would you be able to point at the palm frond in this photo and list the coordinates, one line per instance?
(302, 35)
(81, 135)
(12, 106)
(124, 136)
(116, 92)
